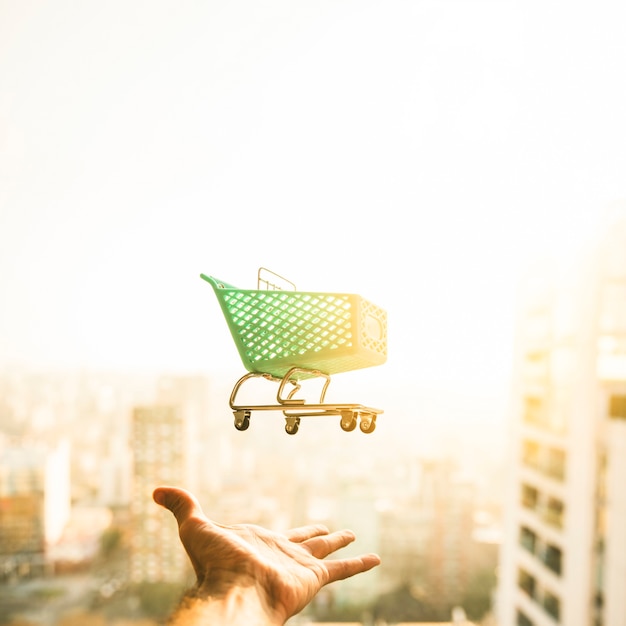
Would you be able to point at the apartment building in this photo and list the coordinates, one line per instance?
(563, 557)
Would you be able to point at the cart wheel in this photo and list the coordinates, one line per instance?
(292, 425)
(348, 421)
(368, 425)
(242, 420)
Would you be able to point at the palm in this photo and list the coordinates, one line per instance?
(289, 567)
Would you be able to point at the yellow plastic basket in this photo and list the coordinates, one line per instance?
(275, 331)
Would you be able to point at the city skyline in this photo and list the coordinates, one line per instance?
(119, 428)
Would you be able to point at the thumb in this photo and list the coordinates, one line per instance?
(179, 501)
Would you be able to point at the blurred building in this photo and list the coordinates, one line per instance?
(354, 510)
(34, 504)
(427, 541)
(192, 399)
(449, 499)
(159, 458)
(563, 558)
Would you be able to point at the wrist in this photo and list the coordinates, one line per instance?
(239, 606)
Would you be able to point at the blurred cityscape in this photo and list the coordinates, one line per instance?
(506, 510)
(82, 539)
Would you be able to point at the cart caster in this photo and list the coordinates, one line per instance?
(242, 420)
(368, 423)
(348, 421)
(292, 425)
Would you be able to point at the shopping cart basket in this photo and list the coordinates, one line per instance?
(286, 336)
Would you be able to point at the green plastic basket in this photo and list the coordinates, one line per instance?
(275, 331)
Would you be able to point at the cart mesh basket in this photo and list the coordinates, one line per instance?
(275, 331)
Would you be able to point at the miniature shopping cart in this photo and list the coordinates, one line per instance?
(286, 336)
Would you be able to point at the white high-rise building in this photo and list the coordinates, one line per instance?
(563, 557)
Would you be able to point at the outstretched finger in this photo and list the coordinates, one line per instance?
(321, 546)
(344, 568)
(303, 533)
(179, 501)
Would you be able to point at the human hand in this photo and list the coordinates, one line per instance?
(285, 570)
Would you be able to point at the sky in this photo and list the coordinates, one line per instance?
(417, 153)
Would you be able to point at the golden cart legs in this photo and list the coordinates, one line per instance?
(294, 409)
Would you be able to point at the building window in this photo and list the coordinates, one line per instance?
(538, 412)
(531, 453)
(548, 461)
(526, 582)
(530, 496)
(522, 619)
(617, 407)
(527, 539)
(552, 558)
(552, 605)
(555, 466)
(553, 512)
(533, 411)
